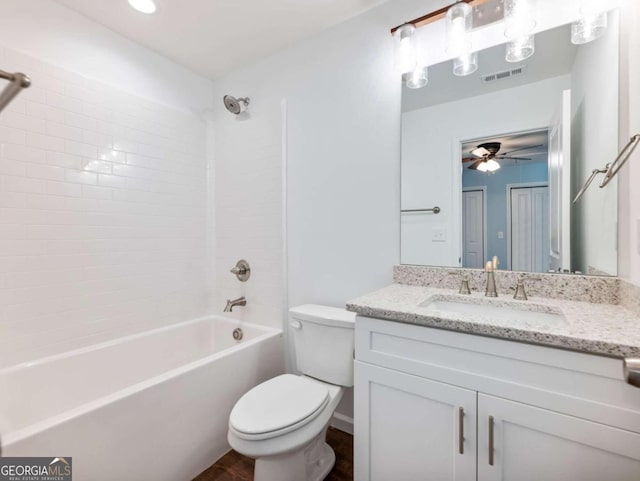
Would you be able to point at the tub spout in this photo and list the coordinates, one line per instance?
(231, 303)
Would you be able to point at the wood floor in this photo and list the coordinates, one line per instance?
(235, 467)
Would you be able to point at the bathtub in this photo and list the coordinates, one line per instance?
(152, 406)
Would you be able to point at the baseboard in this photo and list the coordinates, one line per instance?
(342, 422)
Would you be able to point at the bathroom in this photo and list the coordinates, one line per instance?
(167, 256)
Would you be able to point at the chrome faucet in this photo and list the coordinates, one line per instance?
(231, 303)
(520, 294)
(491, 290)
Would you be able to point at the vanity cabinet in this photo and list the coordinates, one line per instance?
(440, 405)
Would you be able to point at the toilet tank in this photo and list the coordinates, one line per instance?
(323, 339)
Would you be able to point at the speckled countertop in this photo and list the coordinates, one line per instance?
(604, 329)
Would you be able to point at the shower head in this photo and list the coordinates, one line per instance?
(233, 104)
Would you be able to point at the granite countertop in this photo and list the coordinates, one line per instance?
(604, 329)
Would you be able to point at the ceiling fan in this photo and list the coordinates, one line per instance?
(485, 156)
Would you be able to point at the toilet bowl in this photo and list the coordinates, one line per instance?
(282, 423)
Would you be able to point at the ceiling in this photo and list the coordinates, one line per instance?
(554, 56)
(214, 37)
(530, 145)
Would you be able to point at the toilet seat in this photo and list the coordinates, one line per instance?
(278, 406)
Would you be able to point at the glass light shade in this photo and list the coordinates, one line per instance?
(520, 49)
(416, 79)
(465, 64)
(519, 18)
(482, 167)
(405, 48)
(589, 28)
(492, 165)
(459, 22)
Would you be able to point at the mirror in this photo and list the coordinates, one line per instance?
(492, 161)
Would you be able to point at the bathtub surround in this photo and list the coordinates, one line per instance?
(594, 289)
(103, 213)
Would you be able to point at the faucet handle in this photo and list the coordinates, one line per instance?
(520, 294)
(242, 270)
(464, 285)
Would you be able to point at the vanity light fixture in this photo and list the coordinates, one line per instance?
(592, 23)
(405, 49)
(520, 49)
(416, 79)
(459, 22)
(144, 6)
(519, 18)
(465, 64)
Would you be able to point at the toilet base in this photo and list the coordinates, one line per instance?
(310, 463)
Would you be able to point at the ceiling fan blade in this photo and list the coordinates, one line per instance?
(513, 158)
(476, 164)
(469, 159)
(523, 148)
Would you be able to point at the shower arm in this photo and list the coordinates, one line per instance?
(17, 82)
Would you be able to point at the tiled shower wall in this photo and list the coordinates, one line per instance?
(103, 214)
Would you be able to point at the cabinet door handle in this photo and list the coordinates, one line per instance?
(491, 440)
(461, 430)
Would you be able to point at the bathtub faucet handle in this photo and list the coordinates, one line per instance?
(242, 270)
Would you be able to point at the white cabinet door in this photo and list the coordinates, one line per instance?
(533, 444)
(408, 428)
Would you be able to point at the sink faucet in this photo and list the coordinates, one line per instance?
(231, 303)
(491, 290)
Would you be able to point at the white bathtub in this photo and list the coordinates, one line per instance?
(152, 406)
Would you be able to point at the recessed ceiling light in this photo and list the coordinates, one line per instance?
(144, 6)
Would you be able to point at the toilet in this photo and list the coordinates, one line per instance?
(283, 422)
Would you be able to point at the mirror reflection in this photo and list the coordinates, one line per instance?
(500, 155)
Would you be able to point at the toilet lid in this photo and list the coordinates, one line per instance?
(277, 404)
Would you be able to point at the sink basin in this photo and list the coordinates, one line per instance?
(491, 310)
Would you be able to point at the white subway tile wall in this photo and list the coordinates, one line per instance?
(103, 214)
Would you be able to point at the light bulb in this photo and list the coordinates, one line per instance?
(458, 23)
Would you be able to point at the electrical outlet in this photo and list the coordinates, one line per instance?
(439, 235)
(500, 235)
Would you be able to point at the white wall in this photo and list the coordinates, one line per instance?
(103, 193)
(629, 198)
(342, 150)
(594, 140)
(430, 148)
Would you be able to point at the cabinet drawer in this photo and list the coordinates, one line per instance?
(577, 384)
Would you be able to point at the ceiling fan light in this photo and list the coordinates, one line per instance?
(480, 152)
(482, 167)
(491, 165)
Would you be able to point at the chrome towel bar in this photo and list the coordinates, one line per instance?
(435, 210)
(17, 82)
(612, 169)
